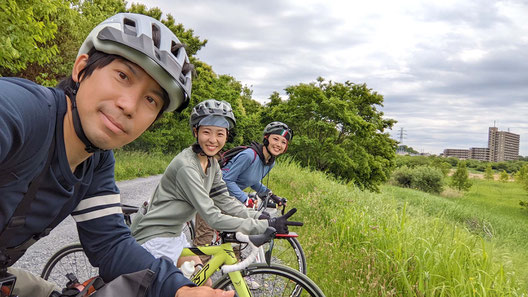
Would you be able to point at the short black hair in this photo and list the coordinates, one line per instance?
(97, 60)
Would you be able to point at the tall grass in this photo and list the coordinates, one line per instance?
(367, 244)
(138, 164)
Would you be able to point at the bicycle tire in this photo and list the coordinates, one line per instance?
(274, 280)
(286, 251)
(69, 259)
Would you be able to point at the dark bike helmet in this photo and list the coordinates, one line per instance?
(278, 128)
(209, 108)
(151, 45)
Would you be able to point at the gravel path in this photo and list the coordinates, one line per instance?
(133, 192)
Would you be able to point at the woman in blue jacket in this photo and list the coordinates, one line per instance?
(247, 169)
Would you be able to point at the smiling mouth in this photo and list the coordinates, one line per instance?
(111, 124)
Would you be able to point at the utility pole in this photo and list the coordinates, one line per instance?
(401, 136)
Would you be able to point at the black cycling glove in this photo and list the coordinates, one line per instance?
(264, 216)
(281, 223)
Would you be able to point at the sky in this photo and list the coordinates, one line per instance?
(448, 70)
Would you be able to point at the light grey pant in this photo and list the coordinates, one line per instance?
(29, 285)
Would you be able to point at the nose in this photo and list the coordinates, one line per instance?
(127, 103)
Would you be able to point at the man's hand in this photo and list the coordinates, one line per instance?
(203, 292)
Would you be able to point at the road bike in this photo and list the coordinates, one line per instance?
(72, 259)
(273, 279)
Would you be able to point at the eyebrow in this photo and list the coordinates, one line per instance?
(132, 68)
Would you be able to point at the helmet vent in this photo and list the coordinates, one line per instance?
(175, 48)
(129, 27)
(156, 36)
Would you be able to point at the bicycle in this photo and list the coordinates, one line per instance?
(72, 259)
(275, 279)
(287, 251)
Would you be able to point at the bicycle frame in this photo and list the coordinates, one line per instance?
(223, 254)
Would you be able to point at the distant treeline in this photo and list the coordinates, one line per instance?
(508, 166)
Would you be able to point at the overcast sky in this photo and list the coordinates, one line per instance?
(447, 69)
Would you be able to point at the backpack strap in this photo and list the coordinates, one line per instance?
(8, 256)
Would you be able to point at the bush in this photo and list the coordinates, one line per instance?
(402, 177)
(428, 179)
(423, 178)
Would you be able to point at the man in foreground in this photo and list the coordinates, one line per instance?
(55, 150)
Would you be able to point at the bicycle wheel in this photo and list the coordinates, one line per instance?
(70, 259)
(274, 280)
(286, 251)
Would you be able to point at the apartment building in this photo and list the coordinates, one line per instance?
(502, 146)
(457, 153)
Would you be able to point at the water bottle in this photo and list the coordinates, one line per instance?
(187, 268)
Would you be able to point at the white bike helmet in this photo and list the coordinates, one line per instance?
(209, 108)
(151, 45)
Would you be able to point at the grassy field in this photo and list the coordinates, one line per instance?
(137, 164)
(403, 242)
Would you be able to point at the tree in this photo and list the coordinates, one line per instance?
(27, 29)
(407, 149)
(460, 179)
(338, 129)
(488, 173)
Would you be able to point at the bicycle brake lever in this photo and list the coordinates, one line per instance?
(267, 255)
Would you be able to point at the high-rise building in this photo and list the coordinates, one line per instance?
(503, 145)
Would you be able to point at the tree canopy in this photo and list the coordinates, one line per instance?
(337, 129)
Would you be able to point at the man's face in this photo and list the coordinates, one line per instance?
(117, 103)
(211, 139)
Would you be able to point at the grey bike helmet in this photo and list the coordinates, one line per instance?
(210, 108)
(278, 128)
(151, 45)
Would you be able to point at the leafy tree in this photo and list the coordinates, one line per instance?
(27, 29)
(488, 174)
(407, 149)
(504, 176)
(460, 179)
(337, 129)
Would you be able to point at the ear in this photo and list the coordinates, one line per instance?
(195, 133)
(79, 65)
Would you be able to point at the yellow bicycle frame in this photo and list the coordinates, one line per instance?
(222, 255)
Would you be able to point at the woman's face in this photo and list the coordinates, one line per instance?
(211, 139)
(277, 144)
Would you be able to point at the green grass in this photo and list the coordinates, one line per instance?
(402, 242)
(137, 164)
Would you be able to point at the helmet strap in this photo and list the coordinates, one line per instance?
(89, 146)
